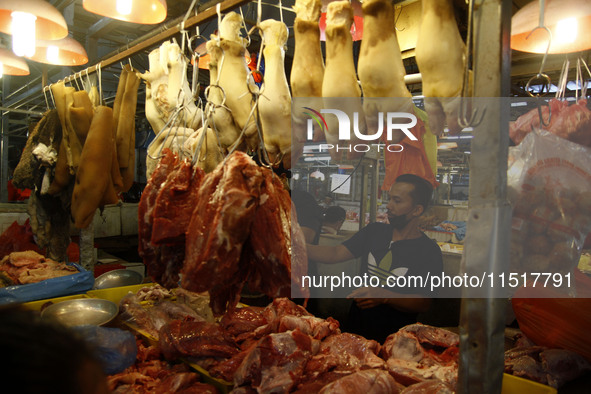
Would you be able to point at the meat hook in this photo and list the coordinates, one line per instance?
(465, 120)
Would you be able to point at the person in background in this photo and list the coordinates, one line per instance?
(309, 214)
(44, 357)
(393, 249)
(333, 219)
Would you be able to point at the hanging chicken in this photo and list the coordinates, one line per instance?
(440, 55)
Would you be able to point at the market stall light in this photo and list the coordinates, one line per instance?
(64, 52)
(11, 64)
(146, 12)
(27, 20)
(23, 33)
(569, 22)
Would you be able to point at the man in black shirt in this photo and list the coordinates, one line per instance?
(397, 249)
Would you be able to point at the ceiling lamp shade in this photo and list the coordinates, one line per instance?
(64, 52)
(49, 25)
(11, 64)
(146, 12)
(569, 21)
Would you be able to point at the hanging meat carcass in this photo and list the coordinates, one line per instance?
(340, 88)
(220, 117)
(273, 247)
(440, 55)
(168, 98)
(380, 67)
(275, 104)
(234, 77)
(220, 225)
(307, 69)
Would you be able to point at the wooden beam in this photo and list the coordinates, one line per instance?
(149, 42)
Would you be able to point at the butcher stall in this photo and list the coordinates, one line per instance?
(172, 138)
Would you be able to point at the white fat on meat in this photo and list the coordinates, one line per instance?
(234, 77)
(440, 55)
(380, 67)
(307, 69)
(340, 79)
(275, 103)
(166, 88)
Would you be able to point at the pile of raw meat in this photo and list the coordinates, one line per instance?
(553, 367)
(150, 374)
(220, 229)
(31, 267)
(283, 348)
(569, 122)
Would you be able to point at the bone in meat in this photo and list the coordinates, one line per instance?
(440, 55)
(275, 105)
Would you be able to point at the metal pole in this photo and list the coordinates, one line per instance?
(486, 247)
(4, 147)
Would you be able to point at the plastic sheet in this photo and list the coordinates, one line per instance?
(115, 348)
(49, 288)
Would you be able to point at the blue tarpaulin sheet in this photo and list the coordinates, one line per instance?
(77, 283)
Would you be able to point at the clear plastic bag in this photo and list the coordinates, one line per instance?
(549, 183)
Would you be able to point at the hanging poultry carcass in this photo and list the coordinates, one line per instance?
(440, 55)
(275, 103)
(307, 69)
(340, 88)
(380, 67)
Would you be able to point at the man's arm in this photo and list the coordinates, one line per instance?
(329, 253)
(372, 297)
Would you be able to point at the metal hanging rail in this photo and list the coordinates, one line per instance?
(153, 40)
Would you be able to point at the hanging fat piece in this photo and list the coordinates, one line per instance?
(235, 80)
(94, 173)
(440, 55)
(209, 153)
(380, 67)
(307, 70)
(220, 117)
(167, 89)
(275, 104)
(72, 146)
(126, 119)
(79, 114)
(172, 138)
(340, 88)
